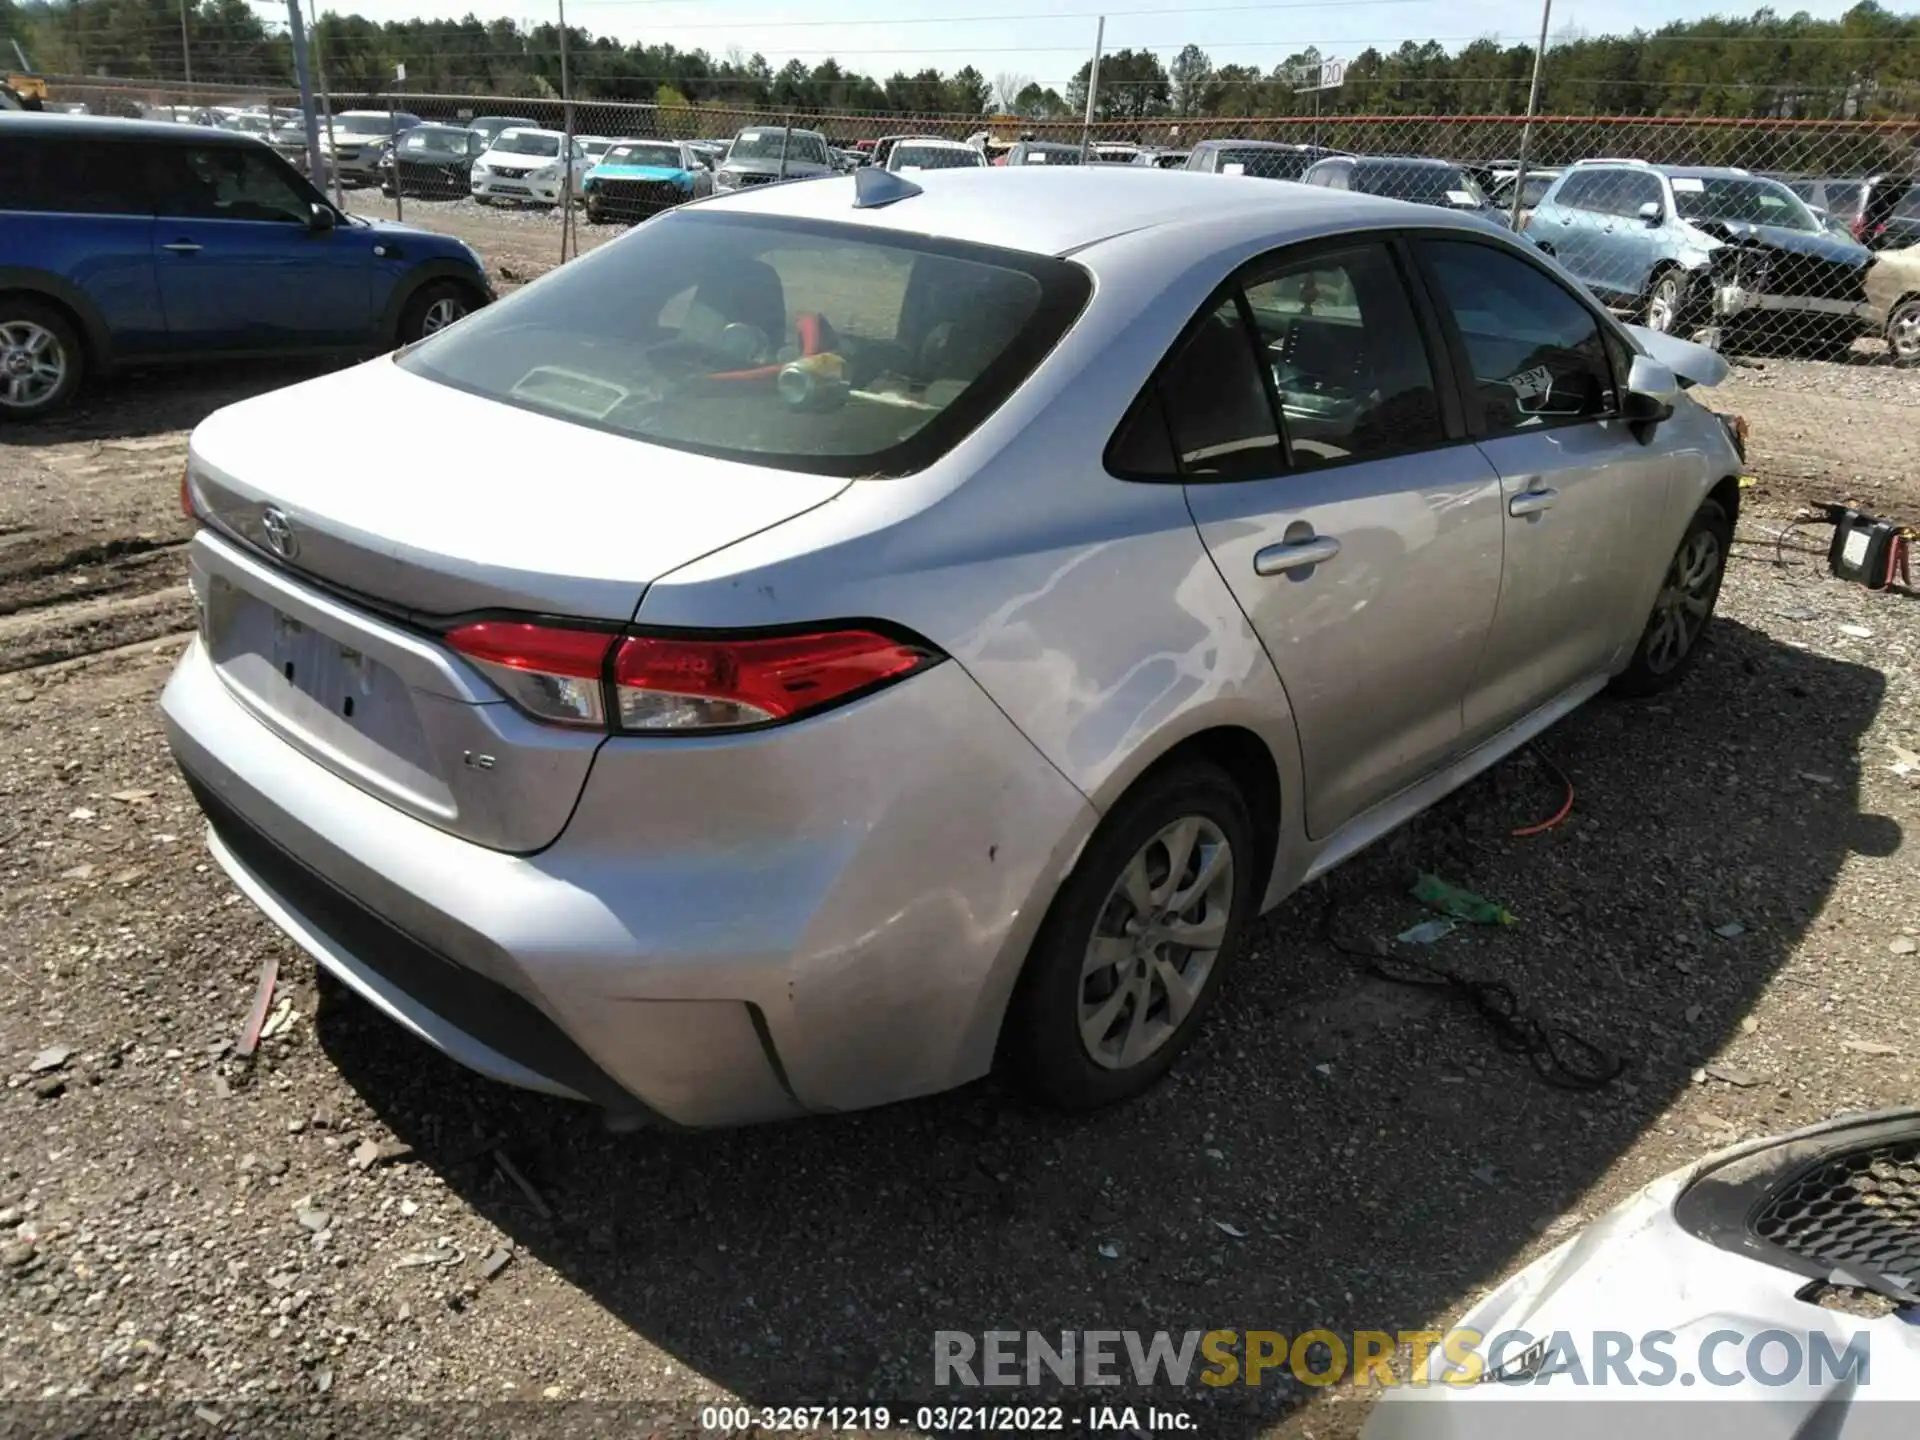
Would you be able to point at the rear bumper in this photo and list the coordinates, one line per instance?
(816, 919)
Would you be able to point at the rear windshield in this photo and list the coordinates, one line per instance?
(1743, 200)
(663, 157)
(1266, 164)
(799, 345)
(527, 142)
(1422, 184)
(367, 124)
(1051, 155)
(932, 157)
(765, 145)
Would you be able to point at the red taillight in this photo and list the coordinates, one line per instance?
(673, 683)
(551, 672)
(679, 683)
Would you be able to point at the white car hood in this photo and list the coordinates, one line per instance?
(1637, 1272)
(1691, 364)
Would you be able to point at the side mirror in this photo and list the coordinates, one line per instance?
(1651, 214)
(1651, 392)
(320, 218)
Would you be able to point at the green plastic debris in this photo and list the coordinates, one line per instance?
(1437, 894)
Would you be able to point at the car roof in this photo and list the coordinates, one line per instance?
(935, 140)
(1400, 162)
(101, 127)
(1257, 145)
(1075, 206)
(532, 130)
(1706, 172)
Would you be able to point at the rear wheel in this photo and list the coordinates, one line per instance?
(1903, 331)
(1130, 956)
(1688, 592)
(40, 358)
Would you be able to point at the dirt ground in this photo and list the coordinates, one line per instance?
(1730, 910)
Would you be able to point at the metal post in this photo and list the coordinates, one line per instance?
(1533, 104)
(786, 139)
(186, 46)
(393, 156)
(566, 144)
(1093, 88)
(297, 27)
(326, 112)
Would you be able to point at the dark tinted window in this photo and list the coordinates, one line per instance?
(1142, 449)
(1267, 164)
(1536, 353)
(230, 182)
(829, 349)
(1216, 402)
(1638, 190)
(1422, 184)
(85, 177)
(1348, 364)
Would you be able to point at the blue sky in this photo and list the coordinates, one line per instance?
(1047, 40)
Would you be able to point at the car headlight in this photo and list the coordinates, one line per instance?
(545, 173)
(725, 179)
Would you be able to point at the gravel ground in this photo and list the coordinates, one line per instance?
(1731, 910)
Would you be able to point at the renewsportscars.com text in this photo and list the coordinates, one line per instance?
(1723, 1358)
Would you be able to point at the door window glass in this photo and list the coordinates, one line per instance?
(230, 183)
(1348, 363)
(1536, 353)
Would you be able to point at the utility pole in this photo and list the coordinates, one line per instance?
(326, 116)
(566, 144)
(186, 46)
(304, 76)
(1093, 88)
(1533, 104)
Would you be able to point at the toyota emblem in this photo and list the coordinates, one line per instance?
(280, 537)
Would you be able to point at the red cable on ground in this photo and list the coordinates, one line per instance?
(1559, 816)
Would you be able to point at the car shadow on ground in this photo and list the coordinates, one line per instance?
(164, 400)
(1336, 1151)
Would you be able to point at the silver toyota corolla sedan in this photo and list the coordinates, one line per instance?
(844, 635)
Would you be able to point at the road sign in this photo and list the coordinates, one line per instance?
(1327, 75)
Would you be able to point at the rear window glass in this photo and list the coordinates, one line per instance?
(932, 157)
(1266, 164)
(1422, 184)
(435, 137)
(800, 345)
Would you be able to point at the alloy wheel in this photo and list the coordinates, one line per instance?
(33, 364)
(1686, 601)
(1903, 332)
(1663, 310)
(440, 314)
(1155, 942)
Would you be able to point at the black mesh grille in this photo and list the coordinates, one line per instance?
(637, 198)
(1860, 1208)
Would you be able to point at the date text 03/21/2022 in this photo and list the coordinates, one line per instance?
(946, 1419)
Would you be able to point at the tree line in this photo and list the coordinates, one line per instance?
(1864, 65)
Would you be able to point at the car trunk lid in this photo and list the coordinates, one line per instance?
(324, 582)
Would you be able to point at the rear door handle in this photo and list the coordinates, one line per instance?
(182, 247)
(1295, 555)
(1532, 502)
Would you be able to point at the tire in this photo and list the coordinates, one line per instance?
(437, 305)
(1689, 590)
(1666, 307)
(1055, 1025)
(1903, 331)
(41, 359)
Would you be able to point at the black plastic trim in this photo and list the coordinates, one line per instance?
(497, 1017)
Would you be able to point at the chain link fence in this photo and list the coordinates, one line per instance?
(1772, 236)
